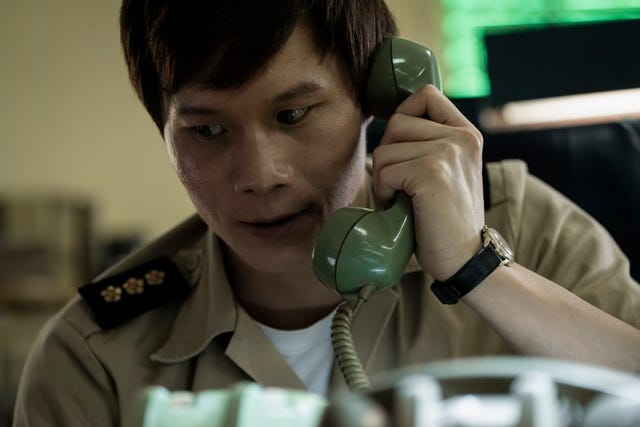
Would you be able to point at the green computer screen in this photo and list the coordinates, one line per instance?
(465, 21)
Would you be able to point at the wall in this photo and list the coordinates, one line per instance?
(71, 124)
(419, 20)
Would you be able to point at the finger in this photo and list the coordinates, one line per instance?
(461, 142)
(403, 128)
(396, 177)
(384, 156)
(429, 102)
(403, 166)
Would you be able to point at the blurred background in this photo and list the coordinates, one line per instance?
(84, 177)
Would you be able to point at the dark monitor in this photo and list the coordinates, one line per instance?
(562, 59)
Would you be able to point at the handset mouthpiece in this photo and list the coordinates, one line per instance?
(360, 247)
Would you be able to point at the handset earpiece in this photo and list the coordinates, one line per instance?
(359, 246)
(399, 68)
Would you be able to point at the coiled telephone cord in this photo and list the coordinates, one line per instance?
(342, 341)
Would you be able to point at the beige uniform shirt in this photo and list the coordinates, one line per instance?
(81, 375)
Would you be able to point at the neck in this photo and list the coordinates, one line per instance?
(294, 300)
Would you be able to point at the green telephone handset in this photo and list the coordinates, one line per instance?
(358, 246)
(360, 251)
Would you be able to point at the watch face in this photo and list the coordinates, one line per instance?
(502, 247)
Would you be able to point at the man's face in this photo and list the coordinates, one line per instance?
(265, 164)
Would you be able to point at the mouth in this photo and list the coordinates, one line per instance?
(277, 226)
(273, 221)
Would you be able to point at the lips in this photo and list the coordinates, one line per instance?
(272, 221)
(275, 227)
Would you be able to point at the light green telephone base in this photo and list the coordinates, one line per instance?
(244, 405)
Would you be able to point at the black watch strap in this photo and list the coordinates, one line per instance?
(468, 277)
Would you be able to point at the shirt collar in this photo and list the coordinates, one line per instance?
(208, 311)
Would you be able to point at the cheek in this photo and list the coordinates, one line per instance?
(184, 168)
(344, 154)
(189, 172)
(196, 175)
(186, 165)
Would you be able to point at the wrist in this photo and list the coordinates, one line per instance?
(448, 270)
(493, 253)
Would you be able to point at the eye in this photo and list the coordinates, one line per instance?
(209, 131)
(293, 116)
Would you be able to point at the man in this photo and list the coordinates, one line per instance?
(261, 107)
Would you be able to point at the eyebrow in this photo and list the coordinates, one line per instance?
(301, 89)
(196, 110)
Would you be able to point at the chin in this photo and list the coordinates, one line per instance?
(276, 260)
(283, 268)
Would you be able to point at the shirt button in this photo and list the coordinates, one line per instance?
(193, 262)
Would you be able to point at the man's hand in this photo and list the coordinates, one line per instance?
(434, 154)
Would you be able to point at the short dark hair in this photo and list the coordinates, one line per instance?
(222, 43)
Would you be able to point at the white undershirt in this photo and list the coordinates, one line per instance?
(308, 351)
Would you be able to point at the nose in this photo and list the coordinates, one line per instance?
(260, 163)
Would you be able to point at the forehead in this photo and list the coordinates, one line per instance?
(297, 67)
(226, 70)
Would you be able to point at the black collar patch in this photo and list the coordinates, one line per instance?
(119, 298)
